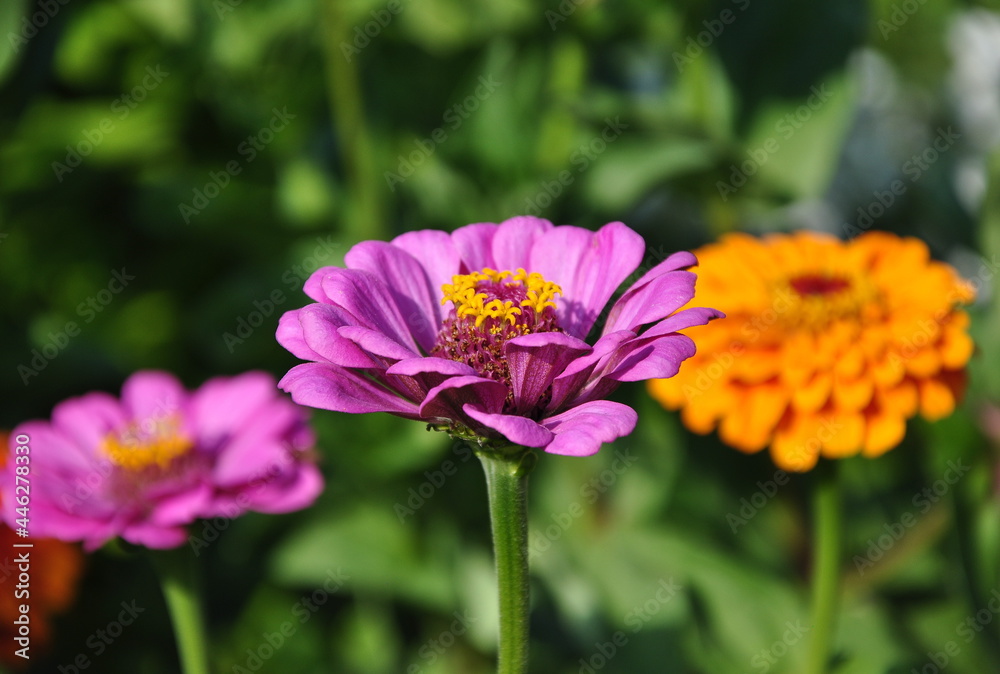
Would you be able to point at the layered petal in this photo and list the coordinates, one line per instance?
(582, 430)
(535, 361)
(330, 387)
(417, 300)
(589, 266)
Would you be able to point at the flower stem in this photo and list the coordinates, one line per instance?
(826, 566)
(343, 89)
(182, 592)
(507, 489)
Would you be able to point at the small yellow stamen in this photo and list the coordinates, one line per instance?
(136, 448)
(464, 293)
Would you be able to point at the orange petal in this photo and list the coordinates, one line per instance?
(795, 447)
(842, 434)
(889, 371)
(936, 399)
(813, 395)
(883, 431)
(853, 396)
(901, 399)
(851, 363)
(956, 348)
(924, 363)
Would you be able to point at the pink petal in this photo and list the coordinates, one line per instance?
(367, 298)
(445, 401)
(514, 240)
(657, 358)
(430, 371)
(535, 360)
(582, 430)
(288, 492)
(152, 395)
(313, 287)
(154, 536)
(434, 250)
(80, 426)
(569, 385)
(518, 430)
(318, 332)
(589, 266)
(652, 302)
(221, 406)
(376, 343)
(418, 301)
(335, 388)
(475, 246)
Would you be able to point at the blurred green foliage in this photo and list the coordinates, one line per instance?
(219, 152)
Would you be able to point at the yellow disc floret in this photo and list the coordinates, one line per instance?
(137, 447)
(467, 293)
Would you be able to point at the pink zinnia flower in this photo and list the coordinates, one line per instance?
(145, 466)
(481, 332)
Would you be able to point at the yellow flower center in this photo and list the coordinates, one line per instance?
(153, 442)
(491, 308)
(500, 295)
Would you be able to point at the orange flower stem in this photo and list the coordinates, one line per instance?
(181, 590)
(827, 525)
(507, 489)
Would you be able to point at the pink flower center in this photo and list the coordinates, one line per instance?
(490, 308)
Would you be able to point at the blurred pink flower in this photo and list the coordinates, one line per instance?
(146, 465)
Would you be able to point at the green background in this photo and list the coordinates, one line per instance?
(219, 151)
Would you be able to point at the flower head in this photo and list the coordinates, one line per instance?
(144, 466)
(829, 346)
(481, 332)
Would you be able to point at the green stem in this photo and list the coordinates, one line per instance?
(182, 592)
(827, 525)
(343, 89)
(507, 489)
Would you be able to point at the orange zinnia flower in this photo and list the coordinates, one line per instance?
(828, 346)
